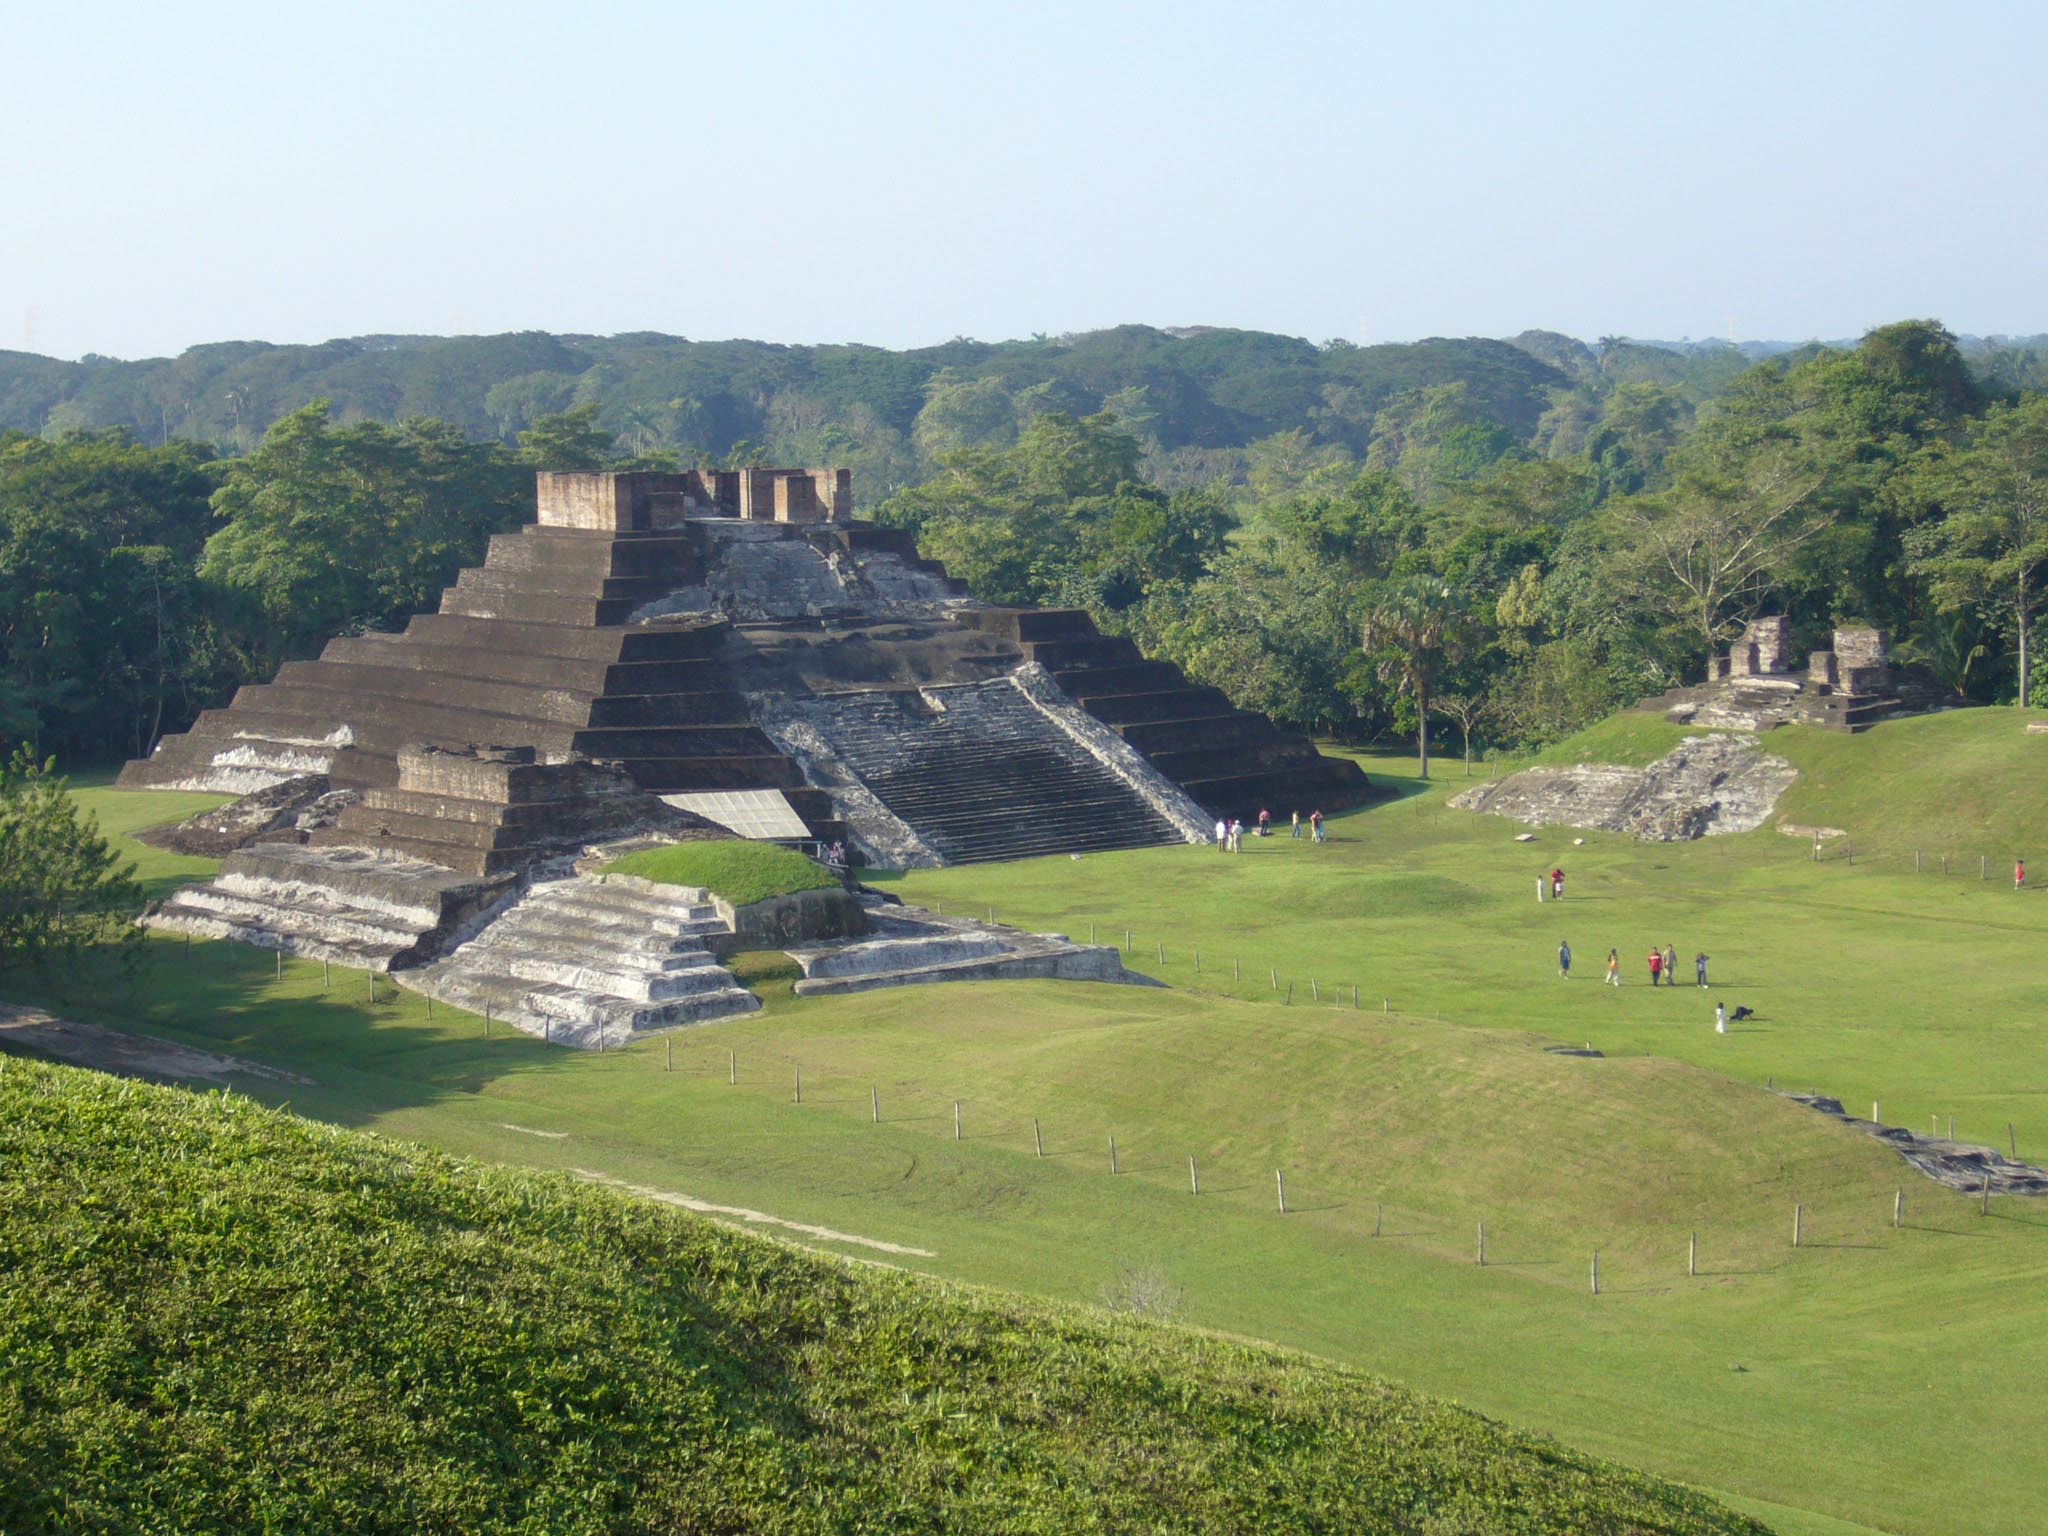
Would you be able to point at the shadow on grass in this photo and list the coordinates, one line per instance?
(365, 1058)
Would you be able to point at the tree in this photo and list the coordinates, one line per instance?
(1468, 709)
(1413, 630)
(62, 889)
(1713, 544)
(569, 440)
(1988, 550)
(330, 527)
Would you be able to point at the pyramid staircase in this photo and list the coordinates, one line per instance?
(1233, 762)
(979, 773)
(592, 960)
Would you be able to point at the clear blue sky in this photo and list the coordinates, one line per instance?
(899, 174)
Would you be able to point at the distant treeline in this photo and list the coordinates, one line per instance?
(1514, 537)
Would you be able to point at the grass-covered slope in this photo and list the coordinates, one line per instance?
(215, 1316)
(741, 872)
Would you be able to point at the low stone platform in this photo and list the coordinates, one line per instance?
(352, 906)
(1705, 787)
(910, 946)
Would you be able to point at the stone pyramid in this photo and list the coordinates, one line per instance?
(715, 632)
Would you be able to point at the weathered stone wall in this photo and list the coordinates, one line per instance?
(1863, 647)
(1764, 649)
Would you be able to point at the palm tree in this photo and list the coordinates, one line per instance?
(1414, 629)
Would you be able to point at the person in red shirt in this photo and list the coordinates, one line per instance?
(1557, 885)
(1656, 966)
(2019, 874)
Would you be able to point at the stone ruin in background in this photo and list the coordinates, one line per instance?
(1759, 683)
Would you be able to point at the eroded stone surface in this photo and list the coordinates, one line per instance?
(1706, 786)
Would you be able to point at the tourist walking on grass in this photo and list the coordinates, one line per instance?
(1265, 819)
(1699, 967)
(2019, 874)
(1670, 966)
(1223, 837)
(1613, 968)
(1656, 965)
(1557, 885)
(1294, 817)
(1236, 835)
(1720, 1018)
(1315, 824)
(1564, 960)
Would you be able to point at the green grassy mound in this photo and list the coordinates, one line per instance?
(741, 872)
(215, 1316)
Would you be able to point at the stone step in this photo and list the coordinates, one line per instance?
(341, 681)
(1167, 704)
(284, 915)
(638, 643)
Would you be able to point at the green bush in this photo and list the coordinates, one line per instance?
(741, 872)
(219, 1317)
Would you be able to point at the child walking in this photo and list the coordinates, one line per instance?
(1613, 968)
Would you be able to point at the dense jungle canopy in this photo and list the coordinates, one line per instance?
(1530, 532)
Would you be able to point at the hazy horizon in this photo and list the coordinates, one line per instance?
(910, 174)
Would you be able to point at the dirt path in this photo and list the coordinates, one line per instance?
(740, 1213)
(113, 1050)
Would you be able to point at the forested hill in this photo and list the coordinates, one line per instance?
(1557, 528)
(1202, 387)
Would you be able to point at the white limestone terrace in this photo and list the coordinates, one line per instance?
(769, 571)
(352, 906)
(590, 961)
(910, 946)
(249, 763)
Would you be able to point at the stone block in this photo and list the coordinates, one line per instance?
(1821, 670)
(1863, 647)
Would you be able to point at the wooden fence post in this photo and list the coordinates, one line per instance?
(1194, 1177)
(875, 1102)
(1596, 1271)
(668, 1053)
(1692, 1253)
(732, 1071)
(1984, 1209)
(799, 1085)
(1898, 1208)
(956, 1120)
(1482, 1245)
(1379, 1216)
(1280, 1182)
(1798, 1223)
(1112, 1154)
(1037, 1136)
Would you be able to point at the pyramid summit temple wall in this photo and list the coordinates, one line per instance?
(642, 501)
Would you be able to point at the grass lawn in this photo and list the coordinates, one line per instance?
(741, 872)
(332, 1332)
(1826, 1389)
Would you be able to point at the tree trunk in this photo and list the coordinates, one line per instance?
(1422, 729)
(2021, 606)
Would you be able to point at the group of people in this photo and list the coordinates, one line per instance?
(1663, 965)
(1230, 833)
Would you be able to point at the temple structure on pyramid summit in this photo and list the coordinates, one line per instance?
(700, 654)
